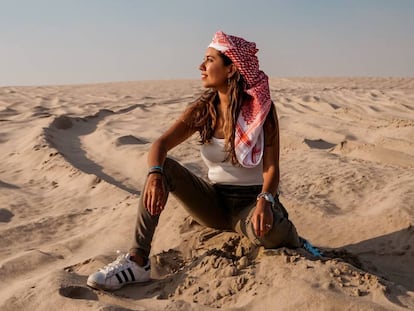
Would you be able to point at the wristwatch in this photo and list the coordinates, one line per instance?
(268, 197)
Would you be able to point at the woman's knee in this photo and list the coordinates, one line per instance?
(169, 165)
(171, 172)
(282, 234)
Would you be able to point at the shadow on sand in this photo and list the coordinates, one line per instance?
(72, 128)
(390, 257)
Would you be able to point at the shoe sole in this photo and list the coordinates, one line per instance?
(100, 287)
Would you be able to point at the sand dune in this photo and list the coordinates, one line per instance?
(73, 163)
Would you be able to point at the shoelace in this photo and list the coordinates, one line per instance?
(117, 265)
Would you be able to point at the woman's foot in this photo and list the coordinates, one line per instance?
(121, 272)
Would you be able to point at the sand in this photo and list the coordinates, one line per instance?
(72, 166)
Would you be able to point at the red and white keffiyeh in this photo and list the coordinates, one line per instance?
(249, 138)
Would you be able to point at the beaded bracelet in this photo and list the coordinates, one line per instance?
(156, 169)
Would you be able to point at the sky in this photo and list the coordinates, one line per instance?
(53, 42)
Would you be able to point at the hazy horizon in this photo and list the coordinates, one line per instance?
(73, 42)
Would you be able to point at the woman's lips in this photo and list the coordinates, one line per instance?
(203, 76)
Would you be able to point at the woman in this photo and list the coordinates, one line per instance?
(239, 136)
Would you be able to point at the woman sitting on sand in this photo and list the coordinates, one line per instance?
(239, 133)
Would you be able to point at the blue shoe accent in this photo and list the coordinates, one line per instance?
(311, 249)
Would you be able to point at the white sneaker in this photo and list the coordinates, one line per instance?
(121, 272)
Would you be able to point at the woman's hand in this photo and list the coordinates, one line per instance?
(262, 218)
(155, 194)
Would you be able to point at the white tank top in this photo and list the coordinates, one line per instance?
(221, 172)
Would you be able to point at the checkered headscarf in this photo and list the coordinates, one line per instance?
(249, 138)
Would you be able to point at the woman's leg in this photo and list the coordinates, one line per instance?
(197, 196)
(283, 232)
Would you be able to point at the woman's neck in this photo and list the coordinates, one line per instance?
(221, 110)
(223, 102)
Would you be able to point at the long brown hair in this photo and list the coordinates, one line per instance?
(204, 113)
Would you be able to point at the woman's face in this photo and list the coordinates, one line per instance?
(214, 73)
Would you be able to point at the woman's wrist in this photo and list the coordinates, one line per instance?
(267, 196)
(156, 169)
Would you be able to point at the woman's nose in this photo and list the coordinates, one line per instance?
(202, 66)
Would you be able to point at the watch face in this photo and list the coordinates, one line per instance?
(270, 198)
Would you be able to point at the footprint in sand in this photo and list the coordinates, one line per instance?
(62, 123)
(78, 292)
(41, 112)
(116, 308)
(5, 215)
(318, 144)
(309, 98)
(7, 185)
(130, 140)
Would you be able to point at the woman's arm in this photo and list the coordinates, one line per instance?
(263, 216)
(155, 193)
(271, 173)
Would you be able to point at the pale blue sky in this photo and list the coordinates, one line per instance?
(87, 41)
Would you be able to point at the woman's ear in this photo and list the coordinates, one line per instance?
(232, 70)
